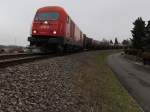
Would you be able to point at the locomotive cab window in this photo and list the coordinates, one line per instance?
(47, 16)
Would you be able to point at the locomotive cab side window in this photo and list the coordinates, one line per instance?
(67, 19)
(42, 16)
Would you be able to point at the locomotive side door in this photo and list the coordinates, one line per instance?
(68, 27)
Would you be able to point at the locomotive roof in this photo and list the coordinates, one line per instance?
(52, 8)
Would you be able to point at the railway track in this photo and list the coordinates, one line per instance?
(10, 56)
(15, 59)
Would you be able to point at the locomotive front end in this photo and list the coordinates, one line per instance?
(47, 28)
(46, 24)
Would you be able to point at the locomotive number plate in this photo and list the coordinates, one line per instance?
(44, 27)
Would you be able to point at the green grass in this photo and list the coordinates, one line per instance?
(114, 97)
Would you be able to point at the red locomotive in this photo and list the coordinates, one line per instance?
(53, 29)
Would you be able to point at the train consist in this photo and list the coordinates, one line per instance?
(53, 29)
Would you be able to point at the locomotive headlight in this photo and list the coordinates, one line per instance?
(34, 31)
(45, 22)
(54, 32)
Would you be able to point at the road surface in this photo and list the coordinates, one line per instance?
(134, 77)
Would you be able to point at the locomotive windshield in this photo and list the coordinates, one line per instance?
(47, 16)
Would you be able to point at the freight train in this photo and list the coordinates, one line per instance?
(54, 30)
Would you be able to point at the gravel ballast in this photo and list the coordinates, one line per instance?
(46, 86)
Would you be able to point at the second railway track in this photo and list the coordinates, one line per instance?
(11, 56)
(10, 60)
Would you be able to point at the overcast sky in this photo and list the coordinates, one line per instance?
(97, 18)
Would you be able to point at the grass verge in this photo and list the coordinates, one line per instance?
(114, 97)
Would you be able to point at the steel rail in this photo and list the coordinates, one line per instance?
(21, 60)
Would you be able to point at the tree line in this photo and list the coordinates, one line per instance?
(141, 35)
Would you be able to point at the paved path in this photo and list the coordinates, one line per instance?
(135, 77)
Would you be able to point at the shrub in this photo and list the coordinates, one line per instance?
(132, 51)
(146, 55)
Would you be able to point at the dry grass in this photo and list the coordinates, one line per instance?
(86, 83)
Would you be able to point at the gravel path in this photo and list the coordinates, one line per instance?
(134, 76)
(45, 86)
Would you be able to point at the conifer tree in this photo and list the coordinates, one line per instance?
(138, 33)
